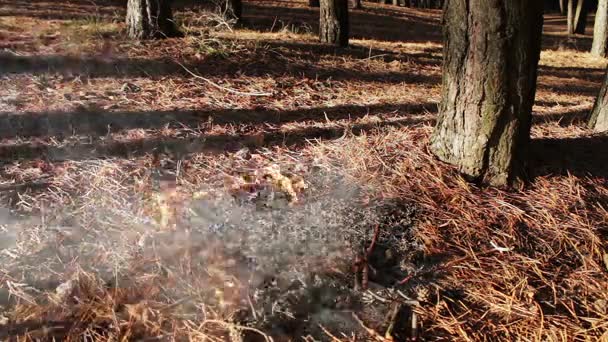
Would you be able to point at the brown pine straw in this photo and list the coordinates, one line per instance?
(547, 282)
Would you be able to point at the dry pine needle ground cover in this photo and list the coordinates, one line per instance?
(88, 116)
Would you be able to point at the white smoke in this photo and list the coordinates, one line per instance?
(272, 263)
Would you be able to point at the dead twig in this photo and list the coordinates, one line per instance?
(370, 249)
(230, 90)
(362, 262)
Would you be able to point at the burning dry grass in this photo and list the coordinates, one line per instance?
(135, 254)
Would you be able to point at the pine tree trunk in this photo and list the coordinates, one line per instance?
(233, 9)
(491, 53)
(600, 30)
(150, 19)
(314, 3)
(598, 118)
(333, 22)
(570, 17)
(580, 17)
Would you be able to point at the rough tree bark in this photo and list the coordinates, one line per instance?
(150, 19)
(491, 53)
(333, 22)
(233, 9)
(598, 118)
(600, 30)
(570, 17)
(314, 3)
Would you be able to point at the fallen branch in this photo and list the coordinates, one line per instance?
(370, 249)
(230, 90)
(362, 262)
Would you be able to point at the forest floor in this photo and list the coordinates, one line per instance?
(114, 154)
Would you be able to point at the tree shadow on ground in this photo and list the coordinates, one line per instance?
(313, 52)
(544, 103)
(379, 24)
(280, 59)
(588, 74)
(63, 9)
(562, 42)
(182, 147)
(582, 157)
(255, 64)
(569, 86)
(564, 118)
(99, 123)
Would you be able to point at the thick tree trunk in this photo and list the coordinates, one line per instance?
(491, 53)
(333, 22)
(233, 9)
(600, 30)
(314, 3)
(598, 118)
(357, 4)
(570, 17)
(580, 17)
(150, 19)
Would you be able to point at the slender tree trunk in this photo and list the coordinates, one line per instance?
(333, 22)
(580, 17)
(357, 4)
(395, 2)
(233, 9)
(598, 118)
(491, 53)
(314, 3)
(562, 8)
(600, 30)
(570, 17)
(150, 19)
